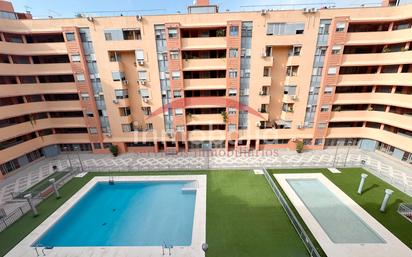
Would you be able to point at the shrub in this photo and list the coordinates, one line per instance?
(299, 146)
(114, 149)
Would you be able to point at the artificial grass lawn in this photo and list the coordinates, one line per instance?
(371, 198)
(243, 216)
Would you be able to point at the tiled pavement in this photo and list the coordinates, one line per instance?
(392, 171)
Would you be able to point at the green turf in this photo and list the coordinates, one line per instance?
(243, 216)
(371, 199)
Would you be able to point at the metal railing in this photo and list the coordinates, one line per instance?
(405, 210)
(295, 222)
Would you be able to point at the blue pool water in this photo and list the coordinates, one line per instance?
(127, 214)
(339, 222)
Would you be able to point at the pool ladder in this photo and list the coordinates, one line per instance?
(165, 246)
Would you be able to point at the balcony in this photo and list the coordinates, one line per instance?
(200, 43)
(287, 116)
(204, 119)
(397, 120)
(202, 135)
(27, 127)
(26, 108)
(33, 49)
(375, 79)
(204, 64)
(204, 84)
(7, 69)
(379, 37)
(377, 59)
(36, 143)
(34, 89)
(402, 142)
(374, 98)
(205, 101)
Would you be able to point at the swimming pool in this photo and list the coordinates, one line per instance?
(339, 222)
(134, 217)
(340, 226)
(127, 214)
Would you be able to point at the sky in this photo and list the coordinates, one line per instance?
(68, 8)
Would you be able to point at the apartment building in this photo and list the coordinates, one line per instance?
(245, 81)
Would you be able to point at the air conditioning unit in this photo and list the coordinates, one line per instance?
(263, 12)
(139, 17)
(91, 19)
(258, 124)
(142, 82)
(299, 126)
(261, 92)
(264, 55)
(305, 10)
(108, 134)
(146, 100)
(140, 62)
(259, 109)
(125, 82)
(312, 10)
(294, 97)
(115, 101)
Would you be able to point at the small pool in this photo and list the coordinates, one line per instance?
(127, 214)
(339, 222)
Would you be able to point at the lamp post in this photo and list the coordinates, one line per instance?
(362, 182)
(68, 158)
(205, 247)
(56, 191)
(29, 199)
(77, 148)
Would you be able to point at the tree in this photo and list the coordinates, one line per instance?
(224, 116)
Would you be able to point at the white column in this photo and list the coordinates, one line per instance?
(53, 182)
(388, 193)
(362, 182)
(32, 206)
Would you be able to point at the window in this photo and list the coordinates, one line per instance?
(233, 52)
(131, 34)
(292, 70)
(285, 28)
(142, 75)
(177, 93)
(232, 111)
(84, 96)
(93, 130)
(332, 70)
(295, 51)
(121, 93)
(180, 128)
(267, 71)
(75, 57)
(97, 146)
(336, 49)
(144, 93)
(289, 90)
(232, 92)
(118, 76)
(126, 127)
(70, 36)
(139, 55)
(172, 32)
(149, 126)
(328, 90)
(340, 26)
(324, 108)
(80, 77)
(232, 74)
(175, 75)
(179, 112)
(174, 55)
(124, 111)
(317, 71)
(147, 111)
(232, 127)
(234, 31)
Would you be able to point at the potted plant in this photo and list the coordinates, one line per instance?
(370, 108)
(337, 109)
(224, 116)
(299, 146)
(114, 149)
(403, 49)
(386, 49)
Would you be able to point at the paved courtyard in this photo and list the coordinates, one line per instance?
(392, 171)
